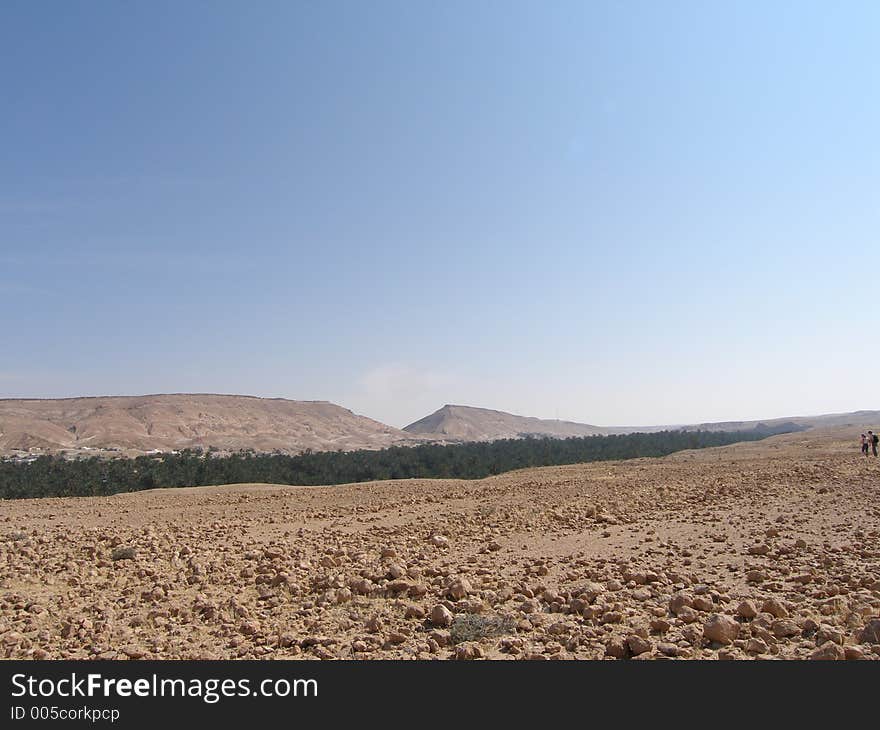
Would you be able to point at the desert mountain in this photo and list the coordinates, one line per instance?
(464, 423)
(139, 424)
(168, 422)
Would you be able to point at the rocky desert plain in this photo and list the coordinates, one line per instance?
(759, 550)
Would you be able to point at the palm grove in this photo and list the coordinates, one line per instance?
(54, 476)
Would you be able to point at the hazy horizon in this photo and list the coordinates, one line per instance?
(618, 215)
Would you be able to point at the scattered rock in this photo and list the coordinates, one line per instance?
(638, 645)
(870, 634)
(441, 616)
(616, 647)
(756, 646)
(721, 629)
(458, 589)
(774, 608)
(828, 650)
(782, 628)
(853, 653)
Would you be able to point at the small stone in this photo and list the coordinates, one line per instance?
(828, 651)
(782, 628)
(756, 576)
(441, 616)
(589, 591)
(399, 586)
(469, 650)
(721, 629)
(530, 605)
(133, 652)
(660, 625)
(638, 645)
(396, 637)
(249, 628)
(756, 646)
(458, 588)
(549, 595)
(287, 639)
(440, 637)
(870, 634)
(829, 633)
(775, 608)
(679, 601)
(616, 647)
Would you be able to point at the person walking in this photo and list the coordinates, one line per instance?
(873, 440)
(864, 444)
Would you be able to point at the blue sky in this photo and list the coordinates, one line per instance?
(617, 213)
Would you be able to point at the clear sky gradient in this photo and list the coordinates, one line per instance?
(609, 212)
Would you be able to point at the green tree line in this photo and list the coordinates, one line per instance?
(54, 476)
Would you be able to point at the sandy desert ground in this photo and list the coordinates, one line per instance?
(758, 550)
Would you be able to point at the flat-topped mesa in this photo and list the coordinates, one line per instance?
(169, 422)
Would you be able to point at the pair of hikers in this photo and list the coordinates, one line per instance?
(870, 442)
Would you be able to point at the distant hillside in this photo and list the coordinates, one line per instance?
(168, 422)
(141, 424)
(464, 423)
(865, 419)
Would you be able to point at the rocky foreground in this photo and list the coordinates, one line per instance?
(760, 550)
